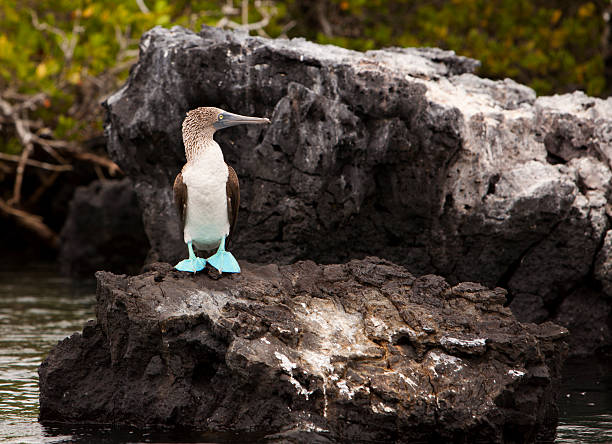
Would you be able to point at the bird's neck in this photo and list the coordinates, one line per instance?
(202, 145)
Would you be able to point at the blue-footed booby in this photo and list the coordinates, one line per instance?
(206, 191)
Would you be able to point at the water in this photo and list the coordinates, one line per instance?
(38, 308)
(586, 402)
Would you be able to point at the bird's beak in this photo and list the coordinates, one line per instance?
(228, 119)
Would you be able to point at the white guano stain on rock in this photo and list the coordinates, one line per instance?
(344, 390)
(288, 366)
(447, 340)
(334, 332)
(307, 426)
(382, 408)
(325, 401)
(442, 359)
(348, 392)
(407, 380)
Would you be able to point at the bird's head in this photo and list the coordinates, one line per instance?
(208, 119)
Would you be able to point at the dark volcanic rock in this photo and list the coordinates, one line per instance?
(360, 352)
(401, 153)
(103, 230)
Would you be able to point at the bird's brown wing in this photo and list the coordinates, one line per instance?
(233, 200)
(180, 198)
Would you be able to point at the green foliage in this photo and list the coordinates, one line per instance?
(554, 47)
(75, 51)
(67, 48)
(12, 146)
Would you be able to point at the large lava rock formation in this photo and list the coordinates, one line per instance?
(400, 153)
(359, 352)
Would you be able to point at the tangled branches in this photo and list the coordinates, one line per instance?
(37, 147)
(33, 135)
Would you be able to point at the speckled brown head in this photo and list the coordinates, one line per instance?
(201, 123)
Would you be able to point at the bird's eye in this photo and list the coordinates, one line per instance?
(220, 116)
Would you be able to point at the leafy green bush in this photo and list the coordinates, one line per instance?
(67, 49)
(77, 51)
(553, 47)
(60, 58)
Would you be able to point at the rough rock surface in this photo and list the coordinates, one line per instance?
(401, 153)
(103, 230)
(359, 352)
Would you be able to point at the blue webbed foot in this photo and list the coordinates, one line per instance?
(225, 262)
(191, 265)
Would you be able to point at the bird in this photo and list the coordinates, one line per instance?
(207, 191)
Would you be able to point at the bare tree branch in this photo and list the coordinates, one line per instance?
(67, 42)
(287, 27)
(228, 8)
(53, 153)
(262, 7)
(27, 139)
(111, 166)
(27, 150)
(46, 183)
(32, 222)
(245, 12)
(36, 163)
(143, 8)
(322, 17)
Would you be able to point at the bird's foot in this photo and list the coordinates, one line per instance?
(224, 261)
(191, 265)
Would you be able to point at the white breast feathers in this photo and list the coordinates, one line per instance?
(207, 221)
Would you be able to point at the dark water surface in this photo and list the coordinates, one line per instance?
(38, 307)
(585, 405)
